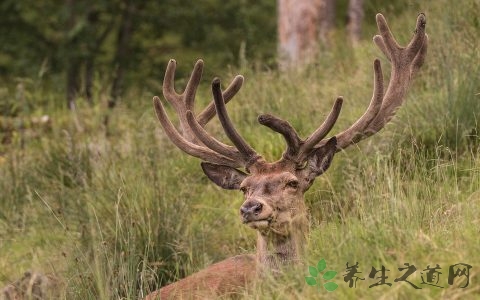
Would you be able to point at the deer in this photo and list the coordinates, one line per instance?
(273, 192)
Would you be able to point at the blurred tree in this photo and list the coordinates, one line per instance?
(73, 55)
(87, 27)
(67, 34)
(354, 20)
(305, 24)
(122, 47)
(126, 41)
(22, 37)
(94, 44)
(302, 24)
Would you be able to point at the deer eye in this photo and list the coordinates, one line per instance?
(243, 189)
(292, 184)
(302, 165)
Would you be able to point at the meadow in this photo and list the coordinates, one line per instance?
(116, 214)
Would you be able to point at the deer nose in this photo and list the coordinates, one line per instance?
(250, 209)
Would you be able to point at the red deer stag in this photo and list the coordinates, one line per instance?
(274, 203)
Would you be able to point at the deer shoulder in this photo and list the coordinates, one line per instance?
(223, 278)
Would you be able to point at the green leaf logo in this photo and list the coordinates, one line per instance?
(330, 286)
(313, 271)
(322, 264)
(328, 275)
(310, 280)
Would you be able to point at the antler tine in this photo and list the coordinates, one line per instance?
(192, 85)
(389, 41)
(169, 83)
(209, 112)
(420, 57)
(182, 102)
(355, 133)
(297, 149)
(418, 39)
(210, 141)
(249, 155)
(186, 146)
(285, 129)
(378, 40)
(321, 131)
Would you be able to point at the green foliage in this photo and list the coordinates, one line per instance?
(451, 83)
(47, 38)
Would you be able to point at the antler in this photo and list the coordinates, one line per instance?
(405, 63)
(193, 139)
(298, 149)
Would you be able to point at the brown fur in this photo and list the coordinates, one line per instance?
(223, 278)
(279, 241)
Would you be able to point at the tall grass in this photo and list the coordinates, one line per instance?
(119, 216)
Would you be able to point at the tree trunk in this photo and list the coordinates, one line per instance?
(301, 24)
(73, 81)
(73, 62)
(93, 46)
(355, 18)
(122, 52)
(89, 73)
(327, 20)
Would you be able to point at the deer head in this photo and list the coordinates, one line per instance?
(273, 192)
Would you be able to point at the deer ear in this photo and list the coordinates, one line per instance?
(320, 160)
(225, 177)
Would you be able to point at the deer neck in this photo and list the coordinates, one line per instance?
(275, 250)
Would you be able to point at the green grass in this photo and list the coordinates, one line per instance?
(117, 216)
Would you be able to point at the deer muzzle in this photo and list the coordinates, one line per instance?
(255, 213)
